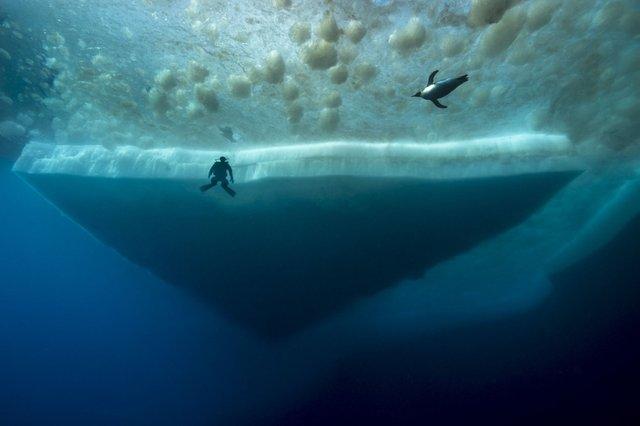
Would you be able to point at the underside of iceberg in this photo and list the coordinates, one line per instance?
(348, 187)
(312, 230)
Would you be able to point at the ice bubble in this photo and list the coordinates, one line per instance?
(5, 55)
(290, 91)
(328, 28)
(320, 55)
(332, 100)
(25, 119)
(300, 32)
(338, 74)
(239, 86)
(5, 101)
(329, 119)
(206, 95)
(197, 73)
(166, 79)
(355, 31)
(365, 72)
(540, 13)
(11, 130)
(255, 75)
(452, 45)
(485, 12)
(274, 68)
(282, 4)
(409, 38)
(498, 37)
(159, 101)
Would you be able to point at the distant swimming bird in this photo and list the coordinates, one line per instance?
(435, 91)
(227, 132)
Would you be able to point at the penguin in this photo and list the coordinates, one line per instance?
(442, 88)
(227, 133)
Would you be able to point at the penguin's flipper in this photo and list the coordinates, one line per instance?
(432, 76)
(438, 104)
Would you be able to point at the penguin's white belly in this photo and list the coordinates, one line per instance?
(428, 89)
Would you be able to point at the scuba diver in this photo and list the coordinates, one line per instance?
(219, 171)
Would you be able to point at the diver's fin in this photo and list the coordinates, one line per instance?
(438, 104)
(432, 76)
(207, 187)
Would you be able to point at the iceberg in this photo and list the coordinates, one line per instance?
(314, 229)
(511, 154)
(351, 196)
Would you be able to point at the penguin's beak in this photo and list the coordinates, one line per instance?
(417, 95)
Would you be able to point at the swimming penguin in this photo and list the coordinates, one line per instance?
(435, 91)
(227, 133)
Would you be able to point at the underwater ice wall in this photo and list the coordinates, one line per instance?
(158, 73)
(497, 156)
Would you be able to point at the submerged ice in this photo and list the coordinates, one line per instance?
(290, 251)
(493, 156)
(165, 74)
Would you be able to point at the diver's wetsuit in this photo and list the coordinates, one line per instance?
(219, 171)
